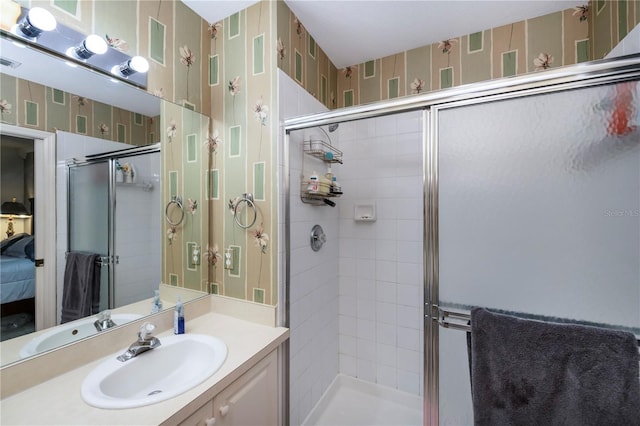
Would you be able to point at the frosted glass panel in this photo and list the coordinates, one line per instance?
(539, 205)
(89, 216)
(88, 208)
(539, 213)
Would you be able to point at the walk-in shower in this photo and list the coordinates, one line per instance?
(519, 195)
(358, 301)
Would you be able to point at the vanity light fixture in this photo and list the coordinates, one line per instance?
(92, 45)
(35, 22)
(131, 66)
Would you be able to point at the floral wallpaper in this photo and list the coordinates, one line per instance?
(609, 22)
(184, 158)
(28, 104)
(243, 96)
(582, 33)
(226, 71)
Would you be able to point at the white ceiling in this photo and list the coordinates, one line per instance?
(354, 31)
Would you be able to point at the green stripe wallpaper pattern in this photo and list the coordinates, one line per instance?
(258, 54)
(65, 111)
(31, 113)
(69, 6)
(57, 111)
(157, 40)
(509, 63)
(81, 124)
(544, 34)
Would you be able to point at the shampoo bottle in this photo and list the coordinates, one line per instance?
(178, 318)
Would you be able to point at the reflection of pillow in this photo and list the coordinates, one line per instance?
(20, 248)
(5, 244)
(30, 249)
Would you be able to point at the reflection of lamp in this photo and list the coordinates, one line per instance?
(13, 209)
(92, 45)
(131, 66)
(36, 21)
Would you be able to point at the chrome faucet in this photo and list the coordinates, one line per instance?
(104, 321)
(145, 343)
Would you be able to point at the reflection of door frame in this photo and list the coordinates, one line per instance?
(45, 219)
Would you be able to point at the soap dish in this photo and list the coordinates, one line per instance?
(364, 213)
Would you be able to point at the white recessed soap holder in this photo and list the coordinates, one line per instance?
(364, 212)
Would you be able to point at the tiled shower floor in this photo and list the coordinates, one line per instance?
(354, 402)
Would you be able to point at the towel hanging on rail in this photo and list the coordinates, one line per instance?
(81, 291)
(533, 372)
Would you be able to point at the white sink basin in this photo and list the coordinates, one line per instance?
(180, 363)
(69, 333)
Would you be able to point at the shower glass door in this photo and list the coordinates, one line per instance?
(89, 216)
(539, 214)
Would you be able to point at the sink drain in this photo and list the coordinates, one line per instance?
(155, 392)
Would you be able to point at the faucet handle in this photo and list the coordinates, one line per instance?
(104, 315)
(146, 331)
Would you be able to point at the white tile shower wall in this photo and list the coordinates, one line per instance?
(314, 275)
(380, 266)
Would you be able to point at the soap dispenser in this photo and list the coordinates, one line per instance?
(156, 305)
(178, 318)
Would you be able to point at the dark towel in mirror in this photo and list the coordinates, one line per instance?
(81, 292)
(527, 372)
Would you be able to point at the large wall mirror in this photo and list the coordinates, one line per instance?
(131, 170)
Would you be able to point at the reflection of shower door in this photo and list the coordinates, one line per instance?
(538, 201)
(137, 243)
(89, 215)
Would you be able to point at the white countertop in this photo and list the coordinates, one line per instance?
(58, 400)
(10, 349)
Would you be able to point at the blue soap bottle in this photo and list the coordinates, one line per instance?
(178, 318)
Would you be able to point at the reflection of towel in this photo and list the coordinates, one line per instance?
(81, 293)
(526, 372)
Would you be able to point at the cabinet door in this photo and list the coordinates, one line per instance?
(252, 399)
(203, 416)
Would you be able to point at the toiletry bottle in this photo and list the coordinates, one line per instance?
(335, 187)
(178, 318)
(329, 174)
(156, 305)
(313, 183)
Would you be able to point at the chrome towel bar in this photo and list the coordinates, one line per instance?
(461, 320)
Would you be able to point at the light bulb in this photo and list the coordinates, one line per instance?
(139, 64)
(92, 45)
(36, 21)
(132, 66)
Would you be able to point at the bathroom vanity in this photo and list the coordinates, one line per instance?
(244, 390)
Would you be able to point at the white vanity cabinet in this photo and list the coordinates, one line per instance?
(252, 399)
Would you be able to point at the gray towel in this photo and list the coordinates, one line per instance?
(81, 291)
(526, 372)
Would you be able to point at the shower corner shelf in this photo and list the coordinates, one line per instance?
(322, 150)
(326, 152)
(317, 199)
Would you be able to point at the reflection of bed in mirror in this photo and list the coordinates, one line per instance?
(17, 285)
